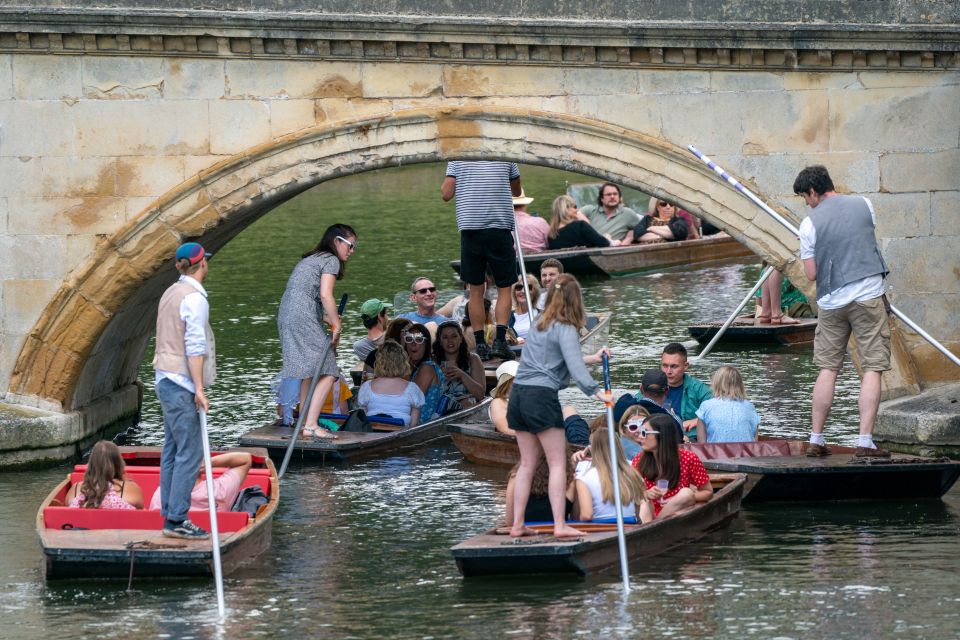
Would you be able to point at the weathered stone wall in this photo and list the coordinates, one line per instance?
(115, 145)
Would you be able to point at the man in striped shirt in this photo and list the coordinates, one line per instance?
(484, 191)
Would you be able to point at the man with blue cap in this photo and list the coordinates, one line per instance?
(185, 363)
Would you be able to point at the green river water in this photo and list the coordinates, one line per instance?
(363, 551)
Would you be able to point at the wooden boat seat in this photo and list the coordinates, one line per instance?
(77, 518)
(755, 449)
(149, 482)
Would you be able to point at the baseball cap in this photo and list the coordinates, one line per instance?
(192, 252)
(372, 308)
(654, 380)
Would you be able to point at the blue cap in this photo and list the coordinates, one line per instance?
(192, 252)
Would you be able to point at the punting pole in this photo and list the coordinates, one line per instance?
(523, 274)
(305, 409)
(786, 223)
(615, 466)
(212, 505)
(733, 316)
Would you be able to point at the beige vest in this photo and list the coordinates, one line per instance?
(171, 349)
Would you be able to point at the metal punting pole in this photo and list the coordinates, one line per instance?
(615, 467)
(212, 505)
(523, 274)
(786, 223)
(733, 316)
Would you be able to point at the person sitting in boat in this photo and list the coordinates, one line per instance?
(567, 230)
(694, 224)
(685, 393)
(652, 397)
(521, 319)
(465, 382)
(391, 393)
(501, 397)
(423, 293)
(394, 332)
(531, 228)
(104, 485)
(663, 462)
(662, 225)
(610, 217)
(550, 270)
(426, 373)
(538, 504)
(728, 416)
(629, 426)
(226, 486)
(595, 484)
(489, 327)
(373, 313)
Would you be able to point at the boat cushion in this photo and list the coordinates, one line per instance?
(149, 482)
(77, 518)
(756, 449)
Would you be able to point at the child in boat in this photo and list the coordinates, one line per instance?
(662, 459)
(728, 416)
(391, 393)
(104, 485)
(550, 357)
(595, 485)
(538, 505)
(226, 486)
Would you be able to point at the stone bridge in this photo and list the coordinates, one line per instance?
(129, 126)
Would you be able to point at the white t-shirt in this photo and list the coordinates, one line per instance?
(390, 404)
(864, 289)
(603, 510)
(521, 323)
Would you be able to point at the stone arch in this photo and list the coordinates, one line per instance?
(90, 338)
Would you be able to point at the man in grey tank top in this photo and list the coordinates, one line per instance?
(840, 253)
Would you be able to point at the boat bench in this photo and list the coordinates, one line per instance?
(150, 481)
(755, 449)
(77, 518)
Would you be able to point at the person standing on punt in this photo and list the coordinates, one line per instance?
(839, 250)
(185, 362)
(550, 357)
(485, 219)
(306, 304)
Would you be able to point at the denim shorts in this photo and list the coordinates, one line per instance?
(534, 409)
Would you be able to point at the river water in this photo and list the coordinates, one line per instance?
(363, 551)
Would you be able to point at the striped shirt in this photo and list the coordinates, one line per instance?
(484, 200)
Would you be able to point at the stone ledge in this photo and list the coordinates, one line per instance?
(930, 419)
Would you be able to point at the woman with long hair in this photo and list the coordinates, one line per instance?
(539, 508)
(306, 304)
(662, 224)
(395, 329)
(104, 485)
(426, 373)
(595, 484)
(568, 229)
(521, 316)
(551, 356)
(465, 382)
(391, 393)
(664, 463)
(728, 416)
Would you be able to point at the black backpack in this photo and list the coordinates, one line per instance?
(250, 500)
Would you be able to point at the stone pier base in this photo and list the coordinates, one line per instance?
(928, 423)
(31, 437)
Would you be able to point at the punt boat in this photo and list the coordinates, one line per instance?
(385, 438)
(494, 553)
(635, 258)
(745, 331)
(109, 543)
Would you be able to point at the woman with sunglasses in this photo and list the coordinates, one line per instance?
(570, 229)
(663, 224)
(391, 393)
(595, 483)
(307, 303)
(465, 382)
(663, 462)
(395, 329)
(551, 356)
(426, 373)
(521, 318)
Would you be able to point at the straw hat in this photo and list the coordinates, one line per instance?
(508, 368)
(521, 199)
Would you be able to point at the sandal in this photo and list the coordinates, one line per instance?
(783, 319)
(322, 433)
(762, 320)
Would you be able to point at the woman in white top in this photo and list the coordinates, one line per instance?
(391, 393)
(521, 319)
(595, 485)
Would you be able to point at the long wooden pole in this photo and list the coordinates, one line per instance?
(733, 316)
(212, 505)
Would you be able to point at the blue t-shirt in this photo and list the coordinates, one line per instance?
(675, 399)
(416, 317)
(729, 420)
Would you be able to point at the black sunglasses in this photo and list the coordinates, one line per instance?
(426, 290)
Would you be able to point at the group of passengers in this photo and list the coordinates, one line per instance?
(608, 223)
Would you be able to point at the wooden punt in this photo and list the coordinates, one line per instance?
(100, 543)
(635, 258)
(745, 331)
(778, 470)
(493, 553)
(480, 443)
(348, 446)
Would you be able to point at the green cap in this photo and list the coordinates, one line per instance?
(372, 308)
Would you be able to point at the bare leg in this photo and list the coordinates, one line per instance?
(475, 307)
(869, 401)
(770, 295)
(504, 305)
(324, 385)
(823, 398)
(530, 453)
(554, 443)
(684, 498)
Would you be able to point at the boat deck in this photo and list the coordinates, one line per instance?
(746, 331)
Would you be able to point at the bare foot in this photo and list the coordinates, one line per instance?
(783, 319)
(523, 531)
(563, 531)
(322, 433)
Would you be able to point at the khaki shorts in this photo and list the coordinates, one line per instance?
(867, 321)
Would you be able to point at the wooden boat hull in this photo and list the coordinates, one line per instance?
(635, 258)
(354, 446)
(790, 476)
(746, 332)
(107, 553)
(492, 554)
(481, 443)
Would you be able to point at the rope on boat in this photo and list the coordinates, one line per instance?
(133, 545)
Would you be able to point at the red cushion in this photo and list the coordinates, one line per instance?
(755, 449)
(82, 468)
(76, 518)
(150, 482)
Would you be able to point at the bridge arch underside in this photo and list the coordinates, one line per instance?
(90, 339)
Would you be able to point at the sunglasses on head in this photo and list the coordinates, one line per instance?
(409, 338)
(425, 290)
(351, 245)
